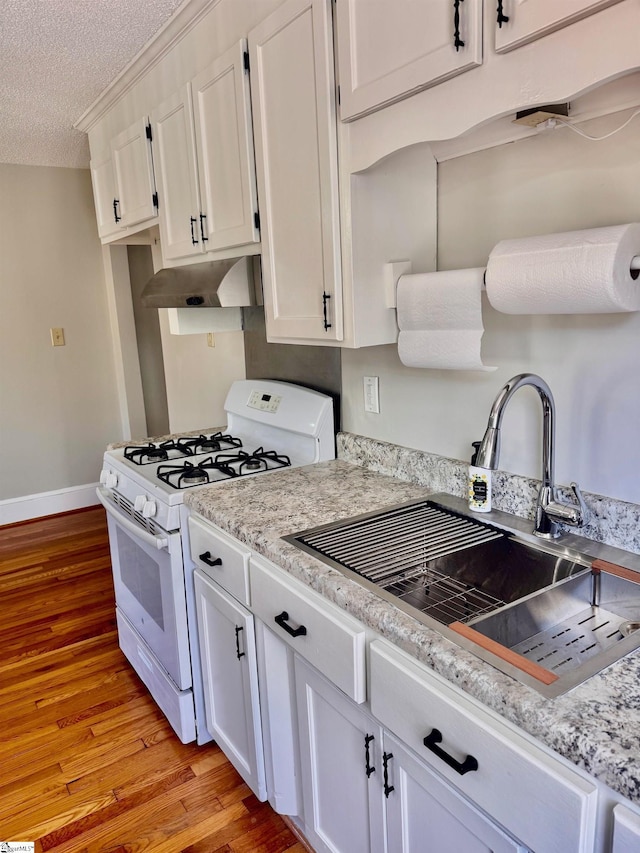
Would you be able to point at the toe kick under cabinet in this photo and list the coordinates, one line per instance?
(389, 757)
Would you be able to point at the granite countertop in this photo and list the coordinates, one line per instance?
(596, 725)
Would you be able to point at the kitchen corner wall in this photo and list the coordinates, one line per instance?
(58, 406)
(548, 183)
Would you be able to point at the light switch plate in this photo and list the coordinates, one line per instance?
(57, 337)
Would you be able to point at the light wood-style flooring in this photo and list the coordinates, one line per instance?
(87, 762)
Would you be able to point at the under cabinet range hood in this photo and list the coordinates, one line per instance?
(214, 284)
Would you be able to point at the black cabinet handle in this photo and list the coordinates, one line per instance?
(325, 313)
(367, 766)
(466, 766)
(238, 652)
(203, 216)
(281, 620)
(502, 18)
(457, 41)
(194, 221)
(116, 215)
(386, 758)
(209, 560)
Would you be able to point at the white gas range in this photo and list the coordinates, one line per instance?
(270, 426)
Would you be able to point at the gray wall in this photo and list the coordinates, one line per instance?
(154, 389)
(58, 406)
(318, 368)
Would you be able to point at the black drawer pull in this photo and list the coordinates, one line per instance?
(209, 560)
(239, 654)
(386, 758)
(281, 620)
(368, 767)
(502, 18)
(194, 221)
(466, 766)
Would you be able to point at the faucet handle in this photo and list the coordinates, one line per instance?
(573, 514)
(583, 514)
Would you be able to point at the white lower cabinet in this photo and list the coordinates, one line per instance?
(341, 764)
(626, 830)
(365, 793)
(425, 813)
(230, 678)
(532, 794)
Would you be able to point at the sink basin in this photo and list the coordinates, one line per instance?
(570, 631)
(491, 587)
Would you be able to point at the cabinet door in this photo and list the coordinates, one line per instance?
(341, 787)
(293, 96)
(523, 21)
(229, 674)
(133, 173)
(424, 813)
(104, 195)
(626, 830)
(177, 176)
(387, 51)
(226, 161)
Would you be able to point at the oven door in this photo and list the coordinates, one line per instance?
(148, 576)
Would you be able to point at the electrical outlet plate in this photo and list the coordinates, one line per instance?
(211, 340)
(371, 395)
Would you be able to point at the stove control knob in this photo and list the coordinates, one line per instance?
(103, 477)
(149, 509)
(111, 480)
(139, 502)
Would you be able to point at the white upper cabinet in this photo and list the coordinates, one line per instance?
(293, 100)
(387, 51)
(521, 21)
(104, 195)
(224, 139)
(175, 156)
(203, 146)
(135, 199)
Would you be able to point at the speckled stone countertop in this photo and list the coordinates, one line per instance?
(596, 725)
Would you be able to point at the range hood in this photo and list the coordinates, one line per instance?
(214, 284)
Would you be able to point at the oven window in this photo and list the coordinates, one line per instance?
(141, 576)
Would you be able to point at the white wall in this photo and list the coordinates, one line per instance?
(548, 183)
(57, 405)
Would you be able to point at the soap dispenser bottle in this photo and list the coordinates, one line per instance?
(479, 484)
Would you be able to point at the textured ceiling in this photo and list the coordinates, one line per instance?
(56, 57)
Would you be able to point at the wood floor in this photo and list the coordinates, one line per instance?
(87, 762)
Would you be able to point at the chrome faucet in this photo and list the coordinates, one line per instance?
(550, 511)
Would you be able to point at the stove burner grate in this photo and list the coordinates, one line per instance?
(209, 443)
(159, 452)
(185, 474)
(250, 463)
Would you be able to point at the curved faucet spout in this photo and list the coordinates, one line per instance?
(549, 510)
(489, 451)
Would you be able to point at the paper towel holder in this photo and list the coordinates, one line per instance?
(394, 270)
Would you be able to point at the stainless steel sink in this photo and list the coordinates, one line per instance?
(573, 629)
(490, 586)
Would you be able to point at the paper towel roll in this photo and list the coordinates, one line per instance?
(440, 319)
(578, 272)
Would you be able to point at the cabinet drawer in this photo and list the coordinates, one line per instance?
(320, 632)
(230, 560)
(515, 781)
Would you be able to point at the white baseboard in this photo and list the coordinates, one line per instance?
(47, 503)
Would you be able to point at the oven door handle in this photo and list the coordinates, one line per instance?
(158, 542)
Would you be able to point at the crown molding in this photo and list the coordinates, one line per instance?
(188, 15)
